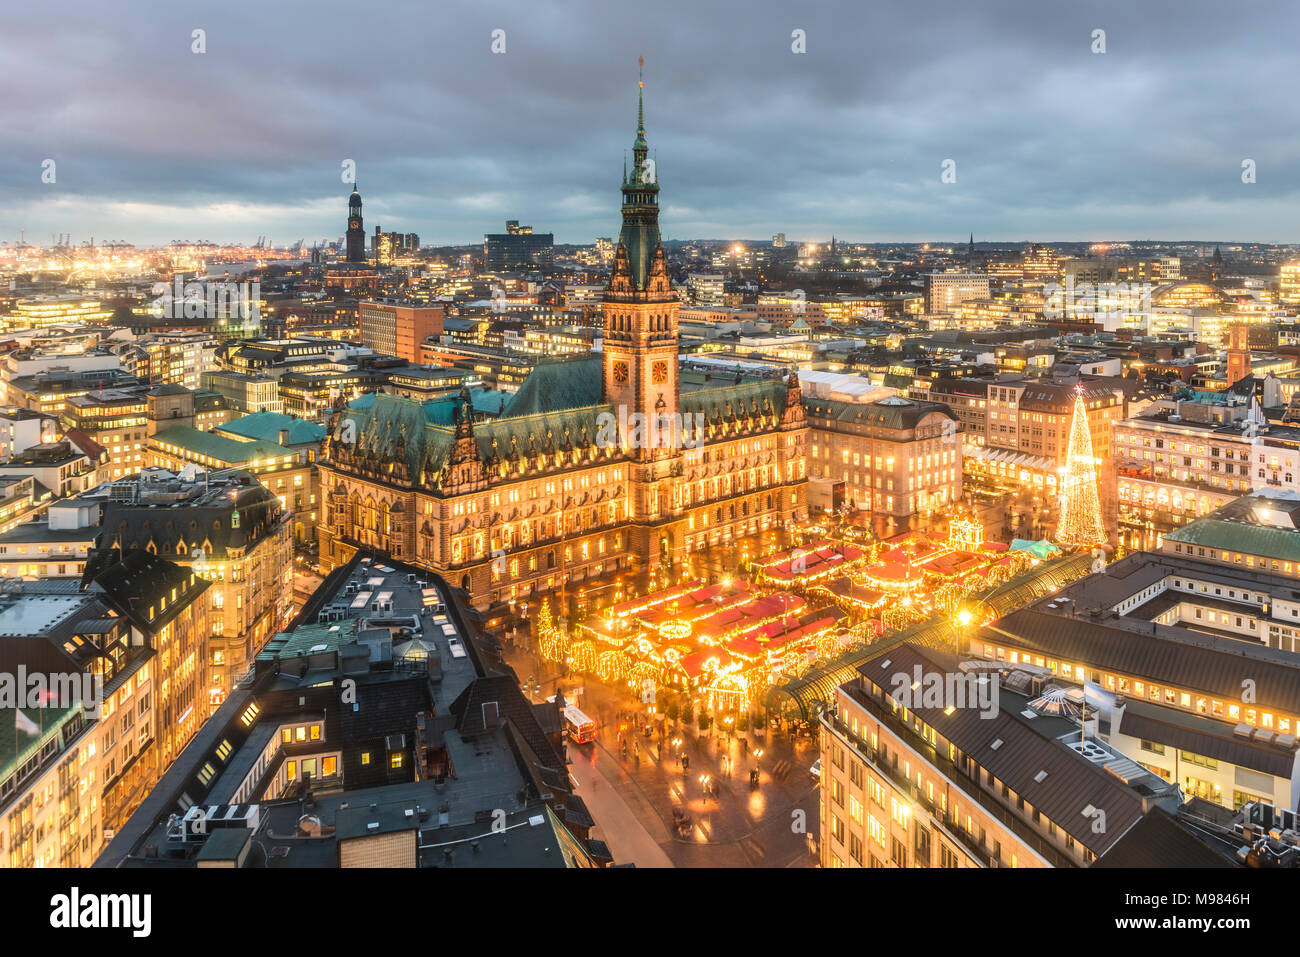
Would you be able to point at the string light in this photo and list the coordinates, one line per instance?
(1081, 523)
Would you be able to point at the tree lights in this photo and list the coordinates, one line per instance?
(1081, 523)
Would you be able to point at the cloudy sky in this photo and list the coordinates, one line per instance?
(153, 142)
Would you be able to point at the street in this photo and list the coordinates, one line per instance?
(616, 823)
(638, 800)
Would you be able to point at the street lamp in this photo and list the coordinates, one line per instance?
(964, 618)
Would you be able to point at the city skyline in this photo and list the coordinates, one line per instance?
(854, 478)
(848, 137)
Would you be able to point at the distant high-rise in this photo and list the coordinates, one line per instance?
(1289, 283)
(517, 248)
(356, 235)
(945, 290)
(387, 245)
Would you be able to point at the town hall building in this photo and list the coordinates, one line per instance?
(558, 495)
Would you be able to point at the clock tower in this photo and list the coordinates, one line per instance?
(356, 235)
(640, 314)
(639, 367)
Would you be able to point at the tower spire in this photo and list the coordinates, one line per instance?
(640, 95)
(639, 238)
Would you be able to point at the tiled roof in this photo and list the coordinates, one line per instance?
(1159, 840)
(1017, 754)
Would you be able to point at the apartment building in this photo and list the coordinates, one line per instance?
(232, 532)
(913, 780)
(1185, 458)
(71, 772)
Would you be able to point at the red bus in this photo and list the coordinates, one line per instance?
(578, 726)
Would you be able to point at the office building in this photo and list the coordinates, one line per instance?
(398, 329)
(896, 457)
(945, 290)
(517, 248)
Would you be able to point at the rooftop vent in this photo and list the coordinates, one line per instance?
(997, 743)
(1126, 770)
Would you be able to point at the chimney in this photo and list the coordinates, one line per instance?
(284, 437)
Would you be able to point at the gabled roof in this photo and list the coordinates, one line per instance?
(474, 710)
(1017, 753)
(1193, 662)
(1160, 840)
(1236, 536)
(762, 397)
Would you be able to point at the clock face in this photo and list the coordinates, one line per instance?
(620, 372)
(354, 224)
(659, 372)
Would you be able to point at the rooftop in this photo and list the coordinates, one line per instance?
(219, 447)
(267, 426)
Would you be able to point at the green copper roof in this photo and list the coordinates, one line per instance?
(442, 410)
(1260, 540)
(557, 409)
(269, 425)
(562, 384)
(383, 421)
(219, 447)
(639, 237)
(764, 397)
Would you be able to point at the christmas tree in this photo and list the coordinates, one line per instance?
(550, 642)
(1080, 523)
